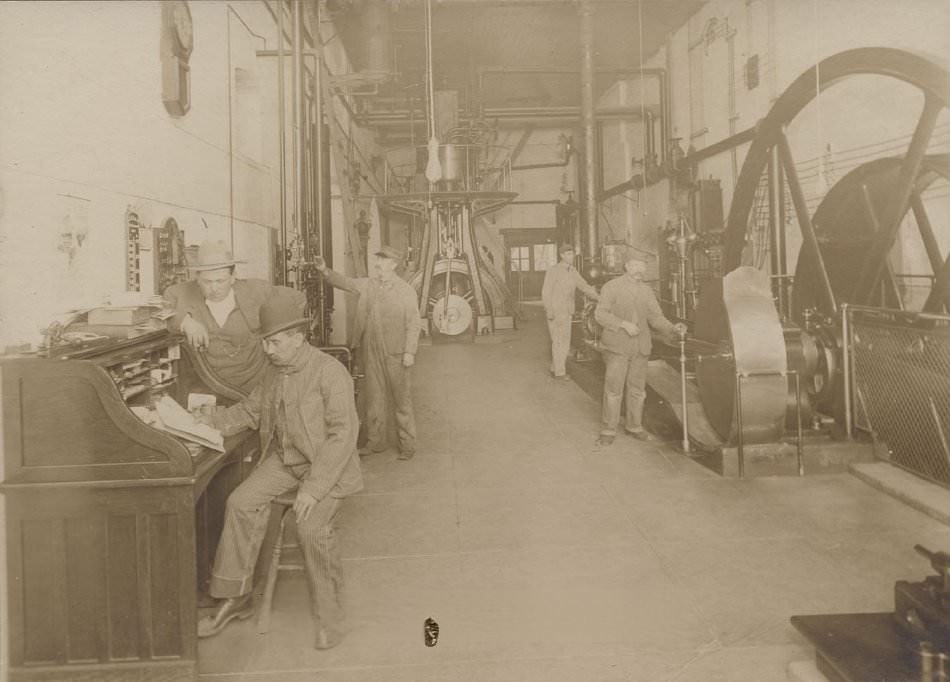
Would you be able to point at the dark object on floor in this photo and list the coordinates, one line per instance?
(913, 643)
(605, 439)
(643, 435)
(406, 454)
(430, 631)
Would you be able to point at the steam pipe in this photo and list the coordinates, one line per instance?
(299, 102)
(282, 152)
(586, 11)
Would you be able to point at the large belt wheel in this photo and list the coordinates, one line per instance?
(847, 243)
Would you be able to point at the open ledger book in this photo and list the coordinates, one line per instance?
(172, 418)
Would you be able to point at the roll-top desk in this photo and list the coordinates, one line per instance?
(111, 524)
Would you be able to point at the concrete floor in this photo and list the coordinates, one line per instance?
(543, 557)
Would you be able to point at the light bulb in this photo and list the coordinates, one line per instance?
(433, 167)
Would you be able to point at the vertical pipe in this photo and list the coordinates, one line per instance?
(798, 417)
(282, 143)
(782, 248)
(846, 367)
(778, 282)
(587, 123)
(299, 116)
(683, 392)
(740, 449)
(321, 246)
(230, 139)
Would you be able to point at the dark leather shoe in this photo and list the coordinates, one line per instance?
(406, 454)
(365, 451)
(605, 439)
(643, 435)
(235, 607)
(326, 639)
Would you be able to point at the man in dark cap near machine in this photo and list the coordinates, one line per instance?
(557, 293)
(306, 414)
(627, 310)
(387, 328)
(219, 314)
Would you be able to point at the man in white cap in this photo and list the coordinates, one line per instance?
(306, 415)
(627, 310)
(220, 314)
(387, 328)
(557, 293)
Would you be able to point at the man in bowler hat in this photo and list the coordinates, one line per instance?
(305, 412)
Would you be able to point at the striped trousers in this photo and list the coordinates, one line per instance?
(245, 524)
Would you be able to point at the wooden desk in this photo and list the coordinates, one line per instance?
(103, 549)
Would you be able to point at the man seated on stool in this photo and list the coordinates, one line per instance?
(627, 309)
(305, 411)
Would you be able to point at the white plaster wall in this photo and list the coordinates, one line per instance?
(860, 119)
(82, 125)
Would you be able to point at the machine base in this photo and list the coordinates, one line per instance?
(857, 647)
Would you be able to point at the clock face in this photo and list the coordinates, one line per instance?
(183, 28)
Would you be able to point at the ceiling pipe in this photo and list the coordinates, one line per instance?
(662, 83)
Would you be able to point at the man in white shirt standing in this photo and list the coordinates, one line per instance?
(560, 282)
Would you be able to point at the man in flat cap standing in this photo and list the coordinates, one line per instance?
(306, 415)
(557, 293)
(387, 328)
(220, 314)
(627, 310)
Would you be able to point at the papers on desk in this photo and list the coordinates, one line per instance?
(172, 418)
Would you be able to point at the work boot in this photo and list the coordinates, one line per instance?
(326, 639)
(641, 434)
(231, 608)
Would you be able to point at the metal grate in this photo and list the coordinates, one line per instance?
(902, 386)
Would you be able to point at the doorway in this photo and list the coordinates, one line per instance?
(528, 255)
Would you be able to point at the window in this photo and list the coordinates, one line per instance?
(520, 258)
(545, 255)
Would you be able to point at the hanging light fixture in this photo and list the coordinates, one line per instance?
(433, 167)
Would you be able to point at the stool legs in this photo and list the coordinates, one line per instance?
(263, 615)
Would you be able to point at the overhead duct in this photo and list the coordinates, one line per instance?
(377, 32)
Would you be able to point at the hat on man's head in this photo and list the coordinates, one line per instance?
(564, 248)
(213, 255)
(634, 254)
(389, 252)
(280, 314)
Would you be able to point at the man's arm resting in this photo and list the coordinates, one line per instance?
(243, 415)
(334, 453)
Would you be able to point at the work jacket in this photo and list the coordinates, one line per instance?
(625, 299)
(320, 421)
(387, 309)
(557, 292)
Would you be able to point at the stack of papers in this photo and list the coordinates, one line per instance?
(172, 418)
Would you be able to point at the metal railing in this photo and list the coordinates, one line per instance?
(898, 379)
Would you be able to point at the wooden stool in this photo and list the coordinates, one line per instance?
(285, 505)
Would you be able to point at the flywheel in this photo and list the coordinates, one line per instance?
(451, 315)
